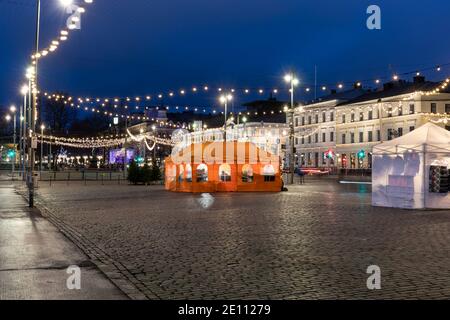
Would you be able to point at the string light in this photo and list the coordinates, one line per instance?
(256, 89)
(63, 35)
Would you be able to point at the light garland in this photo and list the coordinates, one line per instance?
(260, 90)
(153, 138)
(63, 36)
(86, 145)
(308, 134)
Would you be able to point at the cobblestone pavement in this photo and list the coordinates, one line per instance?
(312, 242)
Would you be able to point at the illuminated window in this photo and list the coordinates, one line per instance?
(202, 173)
(247, 173)
(268, 173)
(188, 173)
(225, 172)
(181, 173)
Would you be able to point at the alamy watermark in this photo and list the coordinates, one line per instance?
(374, 20)
(74, 20)
(74, 280)
(374, 280)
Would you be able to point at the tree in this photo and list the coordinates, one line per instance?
(57, 115)
(146, 174)
(93, 164)
(91, 125)
(133, 173)
(155, 172)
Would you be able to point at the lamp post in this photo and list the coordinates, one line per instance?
(13, 111)
(42, 145)
(23, 114)
(293, 81)
(141, 131)
(154, 147)
(125, 161)
(224, 99)
(33, 90)
(33, 111)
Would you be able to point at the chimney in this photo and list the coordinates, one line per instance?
(419, 79)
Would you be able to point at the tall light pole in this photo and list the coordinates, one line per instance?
(42, 144)
(293, 81)
(154, 147)
(8, 119)
(224, 99)
(23, 113)
(141, 131)
(34, 91)
(13, 111)
(125, 161)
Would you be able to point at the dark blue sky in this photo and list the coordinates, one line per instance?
(135, 47)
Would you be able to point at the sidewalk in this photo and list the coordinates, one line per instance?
(34, 257)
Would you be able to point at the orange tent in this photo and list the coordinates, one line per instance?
(223, 167)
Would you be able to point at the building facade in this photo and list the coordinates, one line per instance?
(341, 134)
(315, 129)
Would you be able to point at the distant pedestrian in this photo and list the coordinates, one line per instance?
(301, 175)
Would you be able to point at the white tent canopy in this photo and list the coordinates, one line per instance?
(401, 170)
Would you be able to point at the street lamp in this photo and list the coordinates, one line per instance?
(42, 143)
(13, 111)
(66, 3)
(23, 119)
(32, 75)
(293, 81)
(143, 144)
(224, 100)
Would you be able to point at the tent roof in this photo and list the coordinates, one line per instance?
(429, 134)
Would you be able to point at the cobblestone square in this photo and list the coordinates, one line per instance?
(313, 242)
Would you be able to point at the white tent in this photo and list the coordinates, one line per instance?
(412, 171)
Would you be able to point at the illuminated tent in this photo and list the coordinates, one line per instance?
(218, 166)
(412, 171)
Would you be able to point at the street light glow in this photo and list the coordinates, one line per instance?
(13, 109)
(24, 90)
(66, 3)
(290, 78)
(8, 118)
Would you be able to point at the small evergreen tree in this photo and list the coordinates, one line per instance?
(146, 174)
(93, 164)
(155, 172)
(133, 173)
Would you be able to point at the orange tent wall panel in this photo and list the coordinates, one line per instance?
(228, 176)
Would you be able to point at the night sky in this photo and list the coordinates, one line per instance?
(139, 47)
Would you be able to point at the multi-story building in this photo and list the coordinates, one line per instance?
(383, 115)
(315, 129)
(340, 133)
